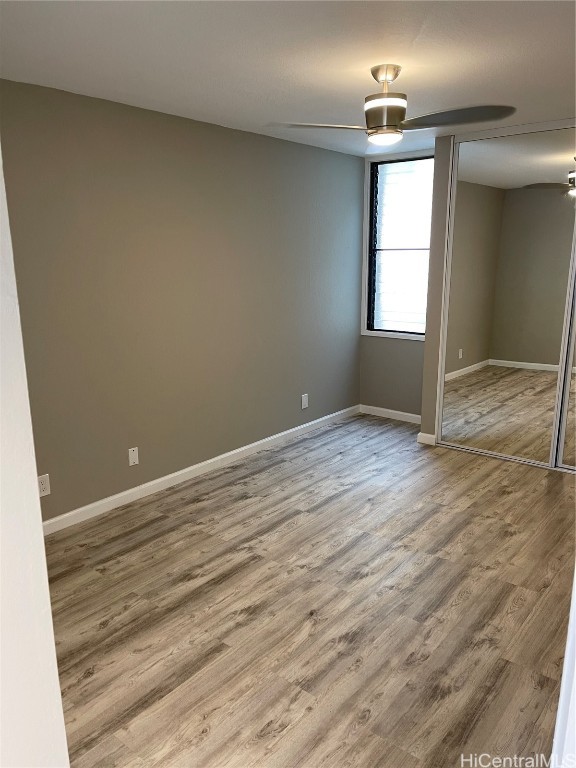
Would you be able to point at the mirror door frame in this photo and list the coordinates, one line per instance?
(569, 326)
(566, 370)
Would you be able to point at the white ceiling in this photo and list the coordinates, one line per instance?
(247, 65)
(514, 161)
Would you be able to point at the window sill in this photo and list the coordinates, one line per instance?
(394, 335)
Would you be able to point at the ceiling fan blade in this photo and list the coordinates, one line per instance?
(548, 185)
(323, 125)
(479, 114)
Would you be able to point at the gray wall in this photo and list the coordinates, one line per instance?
(535, 247)
(391, 373)
(477, 225)
(181, 285)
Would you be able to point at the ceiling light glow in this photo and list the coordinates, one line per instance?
(385, 101)
(385, 138)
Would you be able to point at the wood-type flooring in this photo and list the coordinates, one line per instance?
(350, 599)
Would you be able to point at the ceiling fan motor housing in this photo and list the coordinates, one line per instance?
(385, 110)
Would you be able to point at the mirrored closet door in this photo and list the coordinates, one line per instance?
(510, 276)
(567, 443)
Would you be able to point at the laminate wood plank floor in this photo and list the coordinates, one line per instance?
(505, 410)
(350, 598)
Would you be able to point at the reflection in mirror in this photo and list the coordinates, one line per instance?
(569, 448)
(510, 263)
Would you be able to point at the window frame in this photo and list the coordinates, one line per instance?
(368, 263)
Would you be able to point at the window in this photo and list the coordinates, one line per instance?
(399, 245)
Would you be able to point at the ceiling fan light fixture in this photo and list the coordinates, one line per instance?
(572, 177)
(385, 100)
(384, 112)
(385, 137)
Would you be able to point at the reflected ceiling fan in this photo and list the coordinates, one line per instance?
(385, 113)
(565, 186)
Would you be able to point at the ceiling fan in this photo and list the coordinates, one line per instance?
(566, 186)
(385, 112)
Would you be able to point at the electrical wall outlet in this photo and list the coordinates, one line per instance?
(304, 401)
(460, 353)
(44, 485)
(132, 456)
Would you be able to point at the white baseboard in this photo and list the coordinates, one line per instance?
(527, 366)
(388, 413)
(426, 439)
(133, 494)
(503, 364)
(468, 369)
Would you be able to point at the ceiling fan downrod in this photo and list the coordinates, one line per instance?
(385, 111)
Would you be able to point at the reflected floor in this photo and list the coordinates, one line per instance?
(506, 410)
(570, 439)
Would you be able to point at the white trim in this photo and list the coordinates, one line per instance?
(394, 335)
(527, 366)
(426, 439)
(468, 369)
(388, 413)
(133, 494)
